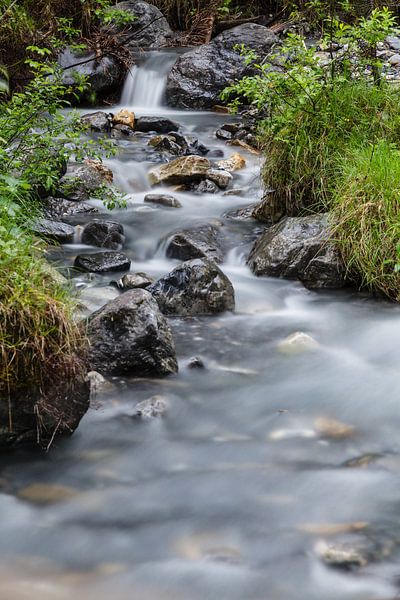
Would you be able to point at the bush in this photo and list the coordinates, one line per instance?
(366, 210)
(331, 136)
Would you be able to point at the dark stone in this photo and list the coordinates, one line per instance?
(102, 262)
(132, 281)
(54, 230)
(299, 248)
(99, 121)
(163, 199)
(168, 143)
(195, 287)
(199, 76)
(57, 208)
(207, 187)
(149, 29)
(156, 124)
(122, 132)
(195, 363)
(215, 153)
(105, 75)
(201, 241)
(224, 135)
(130, 336)
(80, 183)
(104, 234)
(40, 416)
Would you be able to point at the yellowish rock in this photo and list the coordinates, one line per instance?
(328, 529)
(331, 428)
(245, 146)
(297, 343)
(105, 172)
(47, 493)
(187, 169)
(125, 117)
(233, 163)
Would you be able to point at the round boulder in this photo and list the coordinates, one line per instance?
(130, 336)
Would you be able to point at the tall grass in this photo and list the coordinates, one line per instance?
(40, 344)
(303, 160)
(366, 210)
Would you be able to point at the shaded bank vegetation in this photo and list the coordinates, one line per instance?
(330, 129)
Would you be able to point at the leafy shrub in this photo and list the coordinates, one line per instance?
(331, 134)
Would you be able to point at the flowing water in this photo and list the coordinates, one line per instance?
(232, 494)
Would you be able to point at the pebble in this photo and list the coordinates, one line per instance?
(156, 406)
(46, 493)
(297, 343)
(331, 428)
(342, 556)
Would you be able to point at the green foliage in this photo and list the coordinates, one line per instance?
(331, 133)
(366, 210)
(39, 342)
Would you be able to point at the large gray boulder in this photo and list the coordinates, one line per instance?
(149, 29)
(105, 75)
(299, 248)
(196, 287)
(130, 336)
(199, 76)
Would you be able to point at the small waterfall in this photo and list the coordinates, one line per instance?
(145, 84)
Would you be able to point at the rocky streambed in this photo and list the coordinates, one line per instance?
(242, 440)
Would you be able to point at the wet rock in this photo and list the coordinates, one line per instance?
(173, 144)
(251, 146)
(207, 187)
(57, 208)
(223, 134)
(98, 383)
(333, 429)
(102, 262)
(201, 241)
(132, 281)
(105, 75)
(163, 200)
(332, 529)
(125, 117)
(104, 234)
(39, 416)
(54, 230)
(156, 124)
(199, 76)
(219, 176)
(233, 163)
(297, 343)
(298, 248)
(393, 42)
(195, 287)
(188, 169)
(363, 461)
(196, 363)
(122, 132)
(156, 406)
(343, 556)
(149, 29)
(47, 493)
(130, 336)
(99, 121)
(81, 182)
